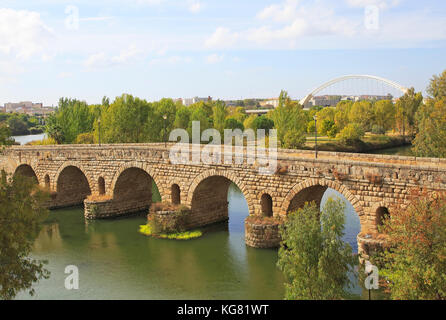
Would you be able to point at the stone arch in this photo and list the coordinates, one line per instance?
(175, 194)
(26, 170)
(137, 165)
(207, 196)
(66, 164)
(319, 186)
(266, 202)
(47, 181)
(72, 185)
(379, 211)
(101, 186)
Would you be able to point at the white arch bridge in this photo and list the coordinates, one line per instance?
(393, 84)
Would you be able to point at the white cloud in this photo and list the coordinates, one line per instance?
(222, 37)
(214, 58)
(383, 4)
(171, 60)
(102, 60)
(194, 6)
(23, 34)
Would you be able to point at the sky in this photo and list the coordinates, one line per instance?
(228, 49)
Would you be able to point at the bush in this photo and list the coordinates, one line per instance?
(44, 142)
(85, 138)
(351, 134)
(294, 139)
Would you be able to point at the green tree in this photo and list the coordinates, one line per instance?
(385, 114)
(414, 263)
(314, 259)
(72, 118)
(351, 134)
(341, 117)
(264, 123)
(232, 123)
(21, 214)
(406, 109)
(288, 116)
(430, 140)
(182, 118)
(18, 126)
(437, 87)
(249, 122)
(219, 114)
(362, 114)
(126, 121)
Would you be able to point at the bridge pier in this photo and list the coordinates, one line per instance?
(109, 208)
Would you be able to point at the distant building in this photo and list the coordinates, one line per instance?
(29, 108)
(333, 100)
(272, 103)
(190, 101)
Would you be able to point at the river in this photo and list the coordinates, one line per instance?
(116, 262)
(28, 138)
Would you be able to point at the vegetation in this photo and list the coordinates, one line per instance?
(431, 123)
(21, 124)
(186, 235)
(21, 213)
(314, 259)
(414, 264)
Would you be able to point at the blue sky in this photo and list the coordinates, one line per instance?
(226, 49)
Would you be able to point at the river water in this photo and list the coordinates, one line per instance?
(28, 138)
(116, 262)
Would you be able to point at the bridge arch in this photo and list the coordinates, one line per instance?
(137, 165)
(207, 196)
(26, 170)
(313, 190)
(391, 83)
(73, 185)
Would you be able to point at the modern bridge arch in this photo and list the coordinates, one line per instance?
(26, 170)
(391, 83)
(73, 185)
(314, 190)
(208, 196)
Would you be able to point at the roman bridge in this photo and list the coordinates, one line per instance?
(115, 180)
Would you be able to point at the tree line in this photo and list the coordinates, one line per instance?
(129, 119)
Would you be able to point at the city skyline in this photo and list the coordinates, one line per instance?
(155, 48)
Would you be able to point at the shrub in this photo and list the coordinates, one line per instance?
(294, 139)
(351, 134)
(85, 138)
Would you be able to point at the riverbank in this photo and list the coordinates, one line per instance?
(369, 144)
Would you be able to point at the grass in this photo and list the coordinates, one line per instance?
(187, 235)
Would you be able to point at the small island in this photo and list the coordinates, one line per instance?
(169, 221)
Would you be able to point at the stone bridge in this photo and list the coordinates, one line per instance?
(115, 180)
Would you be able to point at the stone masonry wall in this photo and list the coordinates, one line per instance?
(367, 181)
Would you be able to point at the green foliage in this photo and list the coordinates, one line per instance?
(249, 122)
(232, 123)
(72, 118)
(314, 259)
(351, 134)
(406, 110)
(21, 213)
(294, 139)
(264, 123)
(430, 140)
(288, 116)
(384, 114)
(85, 138)
(437, 86)
(5, 135)
(415, 262)
(219, 113)
(362, 113)
(187, 235)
